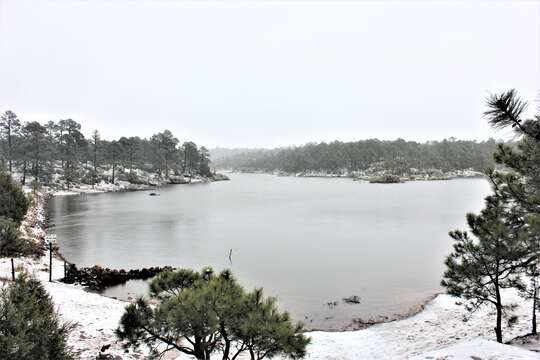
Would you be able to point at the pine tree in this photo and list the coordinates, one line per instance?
(34, 145)
(95, 144)
(519, 184)
(11, 242)
(10, 125)
(13, 201)
(29, 326)
(200, 314)
(480, 267)
(265, 332)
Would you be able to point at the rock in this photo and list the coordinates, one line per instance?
(177, 180)
(220, 177)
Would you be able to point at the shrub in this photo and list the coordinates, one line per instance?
(13, 201)
(11, 243)
(29, 326)
(91, 177)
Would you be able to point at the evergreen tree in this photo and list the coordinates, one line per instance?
(30, 328)
(71, 142)
(11, 242)
(13, 201)
(519, 184)
(10, 125)
(200, 314)
(95, 144)
(34, 145)
(191, 155)
(479, 268)
(114, 151)
(129, 148)
(204, 162)
(265, 332)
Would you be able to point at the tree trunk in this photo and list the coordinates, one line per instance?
(95, 156)
(499, 307)
(198, 349)
(23, 181)
(36, 173)
(9, 149)
(498, 328)
(226, 349)
(166, 168)
(535, 304)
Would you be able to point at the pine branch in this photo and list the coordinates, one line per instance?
(505, 110)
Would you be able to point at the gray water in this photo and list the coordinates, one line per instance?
(307, 241)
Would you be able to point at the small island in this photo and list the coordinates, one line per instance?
(386, 179)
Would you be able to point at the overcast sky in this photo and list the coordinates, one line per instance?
(267, 73)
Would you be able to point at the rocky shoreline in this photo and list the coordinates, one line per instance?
(99, 278)
(126, 186)
(383, 176)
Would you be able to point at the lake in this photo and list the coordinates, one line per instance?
(308, 241)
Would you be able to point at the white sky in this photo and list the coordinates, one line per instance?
(267, 73)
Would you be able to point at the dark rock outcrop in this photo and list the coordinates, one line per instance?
(97, 277)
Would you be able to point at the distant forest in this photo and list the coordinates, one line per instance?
(36, 150)
(399, 155)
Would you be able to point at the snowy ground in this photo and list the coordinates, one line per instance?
(438, 332)
(477, 350)
(95, 317)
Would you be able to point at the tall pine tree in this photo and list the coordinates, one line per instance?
(519, 184)
(483, 265)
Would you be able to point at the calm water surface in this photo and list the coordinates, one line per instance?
(308, 241)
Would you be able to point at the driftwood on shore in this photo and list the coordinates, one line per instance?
(97, 277)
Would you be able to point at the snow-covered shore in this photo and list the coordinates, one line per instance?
(120, 186)
(437, 332)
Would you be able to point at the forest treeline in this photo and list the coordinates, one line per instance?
(36, 150)
(398, 155)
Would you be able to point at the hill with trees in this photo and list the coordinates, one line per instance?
(397, 155)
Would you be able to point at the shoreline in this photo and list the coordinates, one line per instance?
(125, 186)
(435, 325)
(367, 177)
(357, 323)
(353, 324)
